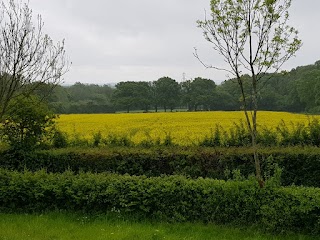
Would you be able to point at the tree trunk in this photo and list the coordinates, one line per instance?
(252, 125)
(257, 163)
(254, 132)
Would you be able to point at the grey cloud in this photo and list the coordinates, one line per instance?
(119, 40)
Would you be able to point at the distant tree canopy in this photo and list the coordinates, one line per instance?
(202, 94)
(294, 91)
(132, 95)
(81, 98)
(167, 93)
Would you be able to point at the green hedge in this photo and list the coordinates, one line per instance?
(301, 166)
(173, 198)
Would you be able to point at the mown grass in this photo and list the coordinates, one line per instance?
(72, 226)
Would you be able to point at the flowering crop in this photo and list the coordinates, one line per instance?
(184, 128)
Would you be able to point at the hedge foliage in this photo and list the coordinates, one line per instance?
(300, 166)
(173, 198)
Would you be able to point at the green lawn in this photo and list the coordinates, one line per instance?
(66, 226)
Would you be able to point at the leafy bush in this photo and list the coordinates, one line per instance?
(28, 124)
(59, 139)
(294, 208)
(314, 132)
(267, 137)
(284, 135)
(300, 166)
(173, 198)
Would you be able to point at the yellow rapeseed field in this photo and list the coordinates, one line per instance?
(185, 128)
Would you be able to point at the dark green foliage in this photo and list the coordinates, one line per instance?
(166, 93)
(199, 94)
(215, 139)
(173, 198)
(294, 91)
(80, 98)
(77, 141)
(294, 208)
(267, 137)
(298, 134)
(237, 136)
(28, 124)
(299, 166)
(97, 137)
(114, 140)
(168, 140)
(314, 132)
(59, 139)
(132, 95)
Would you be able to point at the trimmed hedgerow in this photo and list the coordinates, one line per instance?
(194, 162)
(300, 166)
(173, 198)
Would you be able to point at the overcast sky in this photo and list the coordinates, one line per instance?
(109, 41)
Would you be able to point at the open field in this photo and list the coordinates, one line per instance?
(67, 226)
(185, 128)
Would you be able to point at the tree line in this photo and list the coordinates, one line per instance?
(295, 91)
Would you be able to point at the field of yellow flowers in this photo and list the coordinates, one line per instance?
(185, 128)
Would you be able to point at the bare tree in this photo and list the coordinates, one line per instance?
(254, 38)
(28, 57)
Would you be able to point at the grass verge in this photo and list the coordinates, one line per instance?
(75, 226)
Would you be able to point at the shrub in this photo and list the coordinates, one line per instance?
(215, 139)
(300, 166)
(114, 140)
(97, 139)
(173, 198)
(28, 124)
(314, 132)
(294, 208)
(267, 137)
(60, 139)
